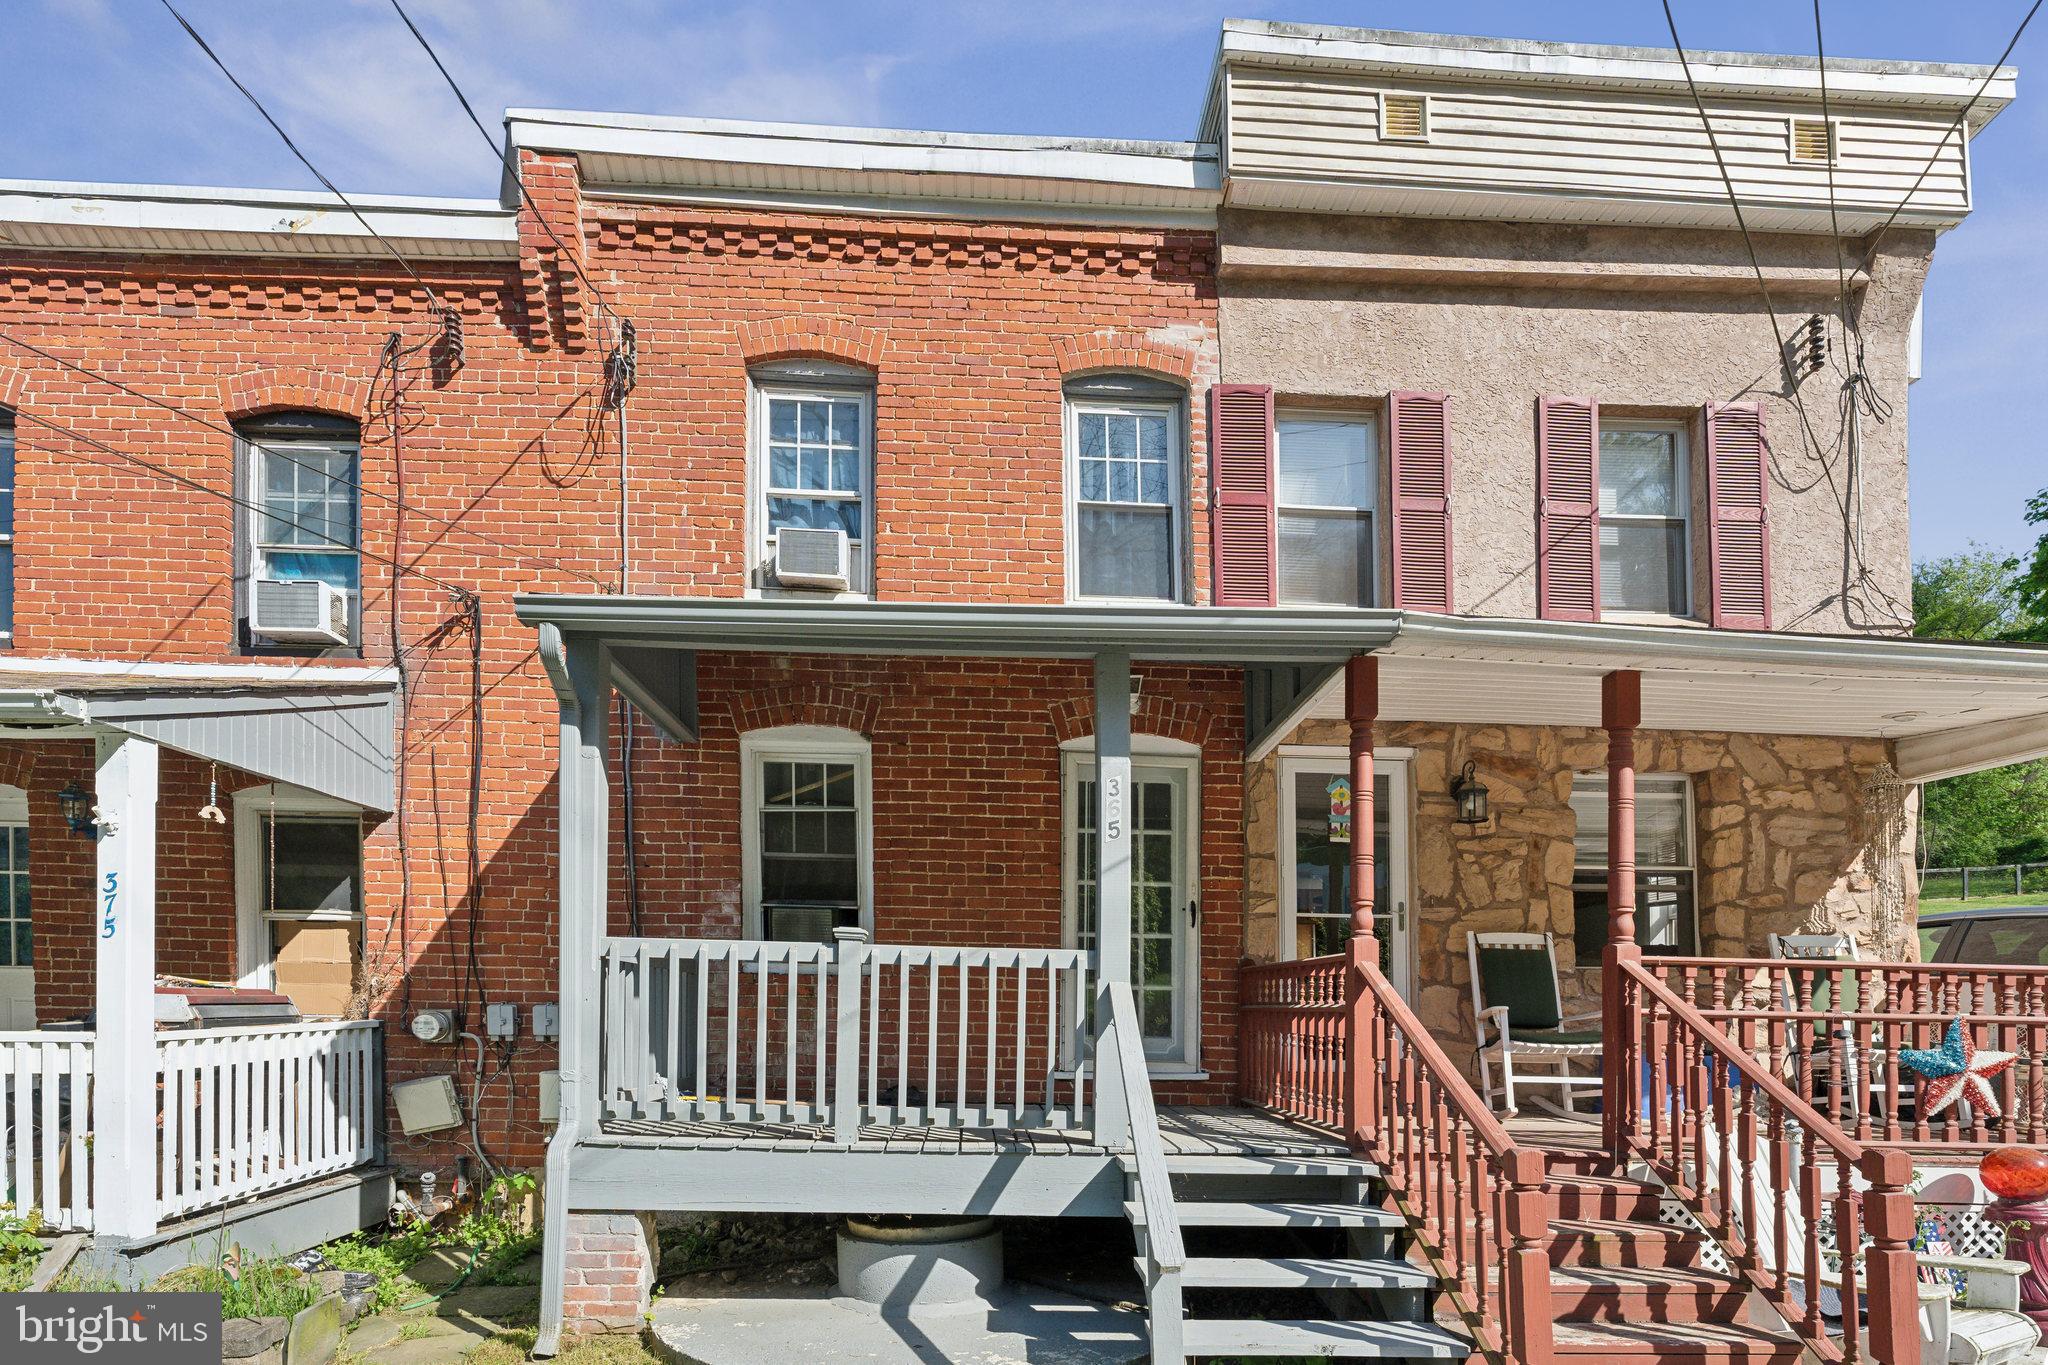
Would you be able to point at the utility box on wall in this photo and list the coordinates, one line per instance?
(426, 1105)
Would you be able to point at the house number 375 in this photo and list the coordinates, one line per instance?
(110, 892)
(1113, 807)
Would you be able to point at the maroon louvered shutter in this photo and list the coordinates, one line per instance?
(1419, 446)
(1568, 509)
(1244, 544)
(1738, 515)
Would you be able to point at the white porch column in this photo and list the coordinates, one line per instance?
(124, 1153)
(1112, 883)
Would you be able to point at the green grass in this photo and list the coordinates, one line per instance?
(512, 1348)
(265, 1289)
(1928, 907)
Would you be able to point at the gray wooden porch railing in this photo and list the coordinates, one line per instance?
(845, 1035)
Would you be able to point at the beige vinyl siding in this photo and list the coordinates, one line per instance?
(1323, 127)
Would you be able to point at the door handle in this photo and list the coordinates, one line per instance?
(1401, 916)
(1194, 914)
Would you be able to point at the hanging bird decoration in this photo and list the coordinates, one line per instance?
(1956, 1070)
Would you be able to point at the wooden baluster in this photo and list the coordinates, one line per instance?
(1746, 1142)
(1848, 1238)
(1781, 1194)
(1810, 1210)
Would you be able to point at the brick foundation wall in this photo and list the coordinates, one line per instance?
(608, 1279)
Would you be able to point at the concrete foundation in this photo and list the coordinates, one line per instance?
(927, 1264)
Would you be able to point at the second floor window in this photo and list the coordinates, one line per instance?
(1125, 473)
(303, 482)
(1327, 480)
(1667, 918)
(1645, 501)
(814, 470)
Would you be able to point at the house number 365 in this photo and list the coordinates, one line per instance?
(1113, 807)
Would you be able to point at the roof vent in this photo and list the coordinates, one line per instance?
(1404, 118)
(1813, 139)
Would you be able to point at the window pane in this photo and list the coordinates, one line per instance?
(823, 514)
(1642, 567)
(339, 569)
(814, 880)
(6, 589)
(1639, 473)
(782, 464)
(1123, 437)
(1662, 839)
(1126, 553)
(1326, 463)
(1094, 444)
(309, 495)
(811, 423)
(782, 419)
(311, 864)
(1094, 480)
(846, 424)
(1123, 481)
(1326, 560)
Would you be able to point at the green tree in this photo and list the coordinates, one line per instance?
(2000, 815)
(2030, 588)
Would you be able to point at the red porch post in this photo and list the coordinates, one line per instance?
(1362, 708)
(1621, 711)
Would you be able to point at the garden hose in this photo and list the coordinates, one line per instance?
(458, 1282)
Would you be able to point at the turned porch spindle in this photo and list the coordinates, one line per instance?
(1361, 708)
(1621, 711)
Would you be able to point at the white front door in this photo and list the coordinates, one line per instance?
(17, 951)
(1165, 913)
(1315, 860)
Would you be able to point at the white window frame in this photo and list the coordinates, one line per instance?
(13, 489)
(1176, 492)
(13, 816)
(1372, 508)
(802, 744)
(254, 966)
(1681, 476)
(293, 448)
(760, 571)
(1077, 758)
(1398, 765)
(1687, 817)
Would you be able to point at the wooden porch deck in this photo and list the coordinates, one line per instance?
(1187, 1130)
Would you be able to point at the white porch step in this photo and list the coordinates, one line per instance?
(1376, 1340)
(1245, 1272)
(1263, 1164)
(1231, 1214)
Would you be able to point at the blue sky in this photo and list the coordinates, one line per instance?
(116, 92)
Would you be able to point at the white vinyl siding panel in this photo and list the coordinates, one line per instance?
(1312, 126)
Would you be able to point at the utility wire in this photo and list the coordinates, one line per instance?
(304, 160)
(1827, 117)
(503, 151)
(355, 486)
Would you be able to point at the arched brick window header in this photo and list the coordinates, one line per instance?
(1074, 719)
(1123, 351)
(280, 388)
(839, 708)
(829, 338)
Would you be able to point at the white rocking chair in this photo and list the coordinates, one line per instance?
(1519, 1019)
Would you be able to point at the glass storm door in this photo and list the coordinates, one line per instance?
(1164, 915)
(1317, 849)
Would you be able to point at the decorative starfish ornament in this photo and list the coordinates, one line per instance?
(1955, 1070)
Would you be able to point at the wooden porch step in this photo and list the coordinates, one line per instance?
(1221, 1213)
(1351, 1340)
(1243, 1272)
(1695, 1343)
(1587, 1196)
(1616, 1242)
(1277, 1163)
(1589, 1293)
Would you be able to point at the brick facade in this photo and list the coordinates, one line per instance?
(125, 528)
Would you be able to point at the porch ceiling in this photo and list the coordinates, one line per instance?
(331, 737)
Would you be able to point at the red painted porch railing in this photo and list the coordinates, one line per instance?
(1833, 1031)
(1291, 1038)
(1475, 1200)
(1767, 1175)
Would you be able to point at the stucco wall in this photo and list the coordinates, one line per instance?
(1785, 831)
(1650, 323)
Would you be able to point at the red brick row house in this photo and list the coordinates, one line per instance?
(776, 637)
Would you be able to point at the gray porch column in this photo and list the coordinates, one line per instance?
(1112, 883)
(578, 667)
(124, 1154)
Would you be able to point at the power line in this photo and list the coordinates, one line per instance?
(504, 154)
(1820, 48)
(355, 486)
(304, 160)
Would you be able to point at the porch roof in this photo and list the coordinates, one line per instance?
(328, 735)
(1953, 706)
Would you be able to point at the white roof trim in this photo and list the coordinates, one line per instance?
(341, 674)
(65, 215)
(735, 159)
(1445, 56)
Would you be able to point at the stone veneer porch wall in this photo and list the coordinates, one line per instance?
(1782, 834)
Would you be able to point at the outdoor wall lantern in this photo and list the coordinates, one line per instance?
(1470, 794)
(77, 809)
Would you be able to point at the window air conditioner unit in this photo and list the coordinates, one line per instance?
(300, 609)
(806, 558)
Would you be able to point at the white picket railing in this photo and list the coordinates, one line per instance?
(245, 1110)
(46, 1116)
(844, 1034)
